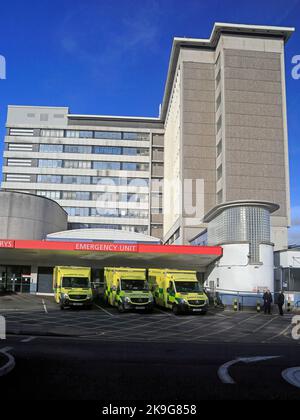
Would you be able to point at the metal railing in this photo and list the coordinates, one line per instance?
(243, 299)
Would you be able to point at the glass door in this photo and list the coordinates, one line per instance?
(15, 279)
(2, 278)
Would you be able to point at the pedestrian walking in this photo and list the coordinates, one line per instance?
(268, 300)
(280, 302)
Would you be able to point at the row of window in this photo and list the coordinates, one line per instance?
(105, 212)
(95, 196)
(82, 134)
(128, 228)
(76, 164)
(95, 180)
(100, 150)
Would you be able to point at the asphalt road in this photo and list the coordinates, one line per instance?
(73, 369)
(102, 355)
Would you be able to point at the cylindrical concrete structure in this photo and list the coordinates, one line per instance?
(246, 268)
(28, 216)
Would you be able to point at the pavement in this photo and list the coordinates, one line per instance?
(100, 354)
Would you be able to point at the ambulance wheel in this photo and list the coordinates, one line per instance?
(121, 308)
(175, 310)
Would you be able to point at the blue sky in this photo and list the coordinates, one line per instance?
(111, 57)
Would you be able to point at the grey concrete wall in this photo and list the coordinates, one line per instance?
(254, 126)
(26, 216)
(26, 116)
(198, 128)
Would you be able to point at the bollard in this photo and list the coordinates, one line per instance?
(235, 305)
(258, 307)
(289, 306)
(215, 302)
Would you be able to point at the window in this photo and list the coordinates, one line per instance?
(79, 134)
(219, 148)
(141, 229)
(78, 211)
(131, 166)
(156, 210)
(120, 197)
(219, 172)
(219, 124)
(51, 148)
(107, 165)
(106, 150)
(108, 135)
(51, 163)
(138, 182)
(114, 181)
(78, 149)
(76, 179)
(124, 166)
(75, 195)
(52, 133)
(135, 151)
(77, 164)
(105, 212)
(139, 214)
(54, 195)
(219, 100)
(49, 179)
(218, 78)
(135, 136)
(85, 134)
(220, 197)
(129, 151)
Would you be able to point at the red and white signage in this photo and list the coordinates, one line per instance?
(5, 243)
(110, 247)
(104, 247)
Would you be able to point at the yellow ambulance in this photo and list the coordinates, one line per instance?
(72, 286)
(178, 290)
(127, 289)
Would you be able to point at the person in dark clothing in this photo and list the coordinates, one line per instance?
(280, 302)
(268, 300)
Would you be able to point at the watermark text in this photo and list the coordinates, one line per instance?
(296, 68)
(296, 327)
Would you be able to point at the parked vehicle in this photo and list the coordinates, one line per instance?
(127, 289)
(178, 290)
(72, 287)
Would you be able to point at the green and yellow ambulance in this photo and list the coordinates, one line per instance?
(178, 290)
(127, 289)
(72, 286)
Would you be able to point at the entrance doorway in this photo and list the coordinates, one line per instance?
(15, 278)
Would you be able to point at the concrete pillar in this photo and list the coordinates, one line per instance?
(34, 279)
